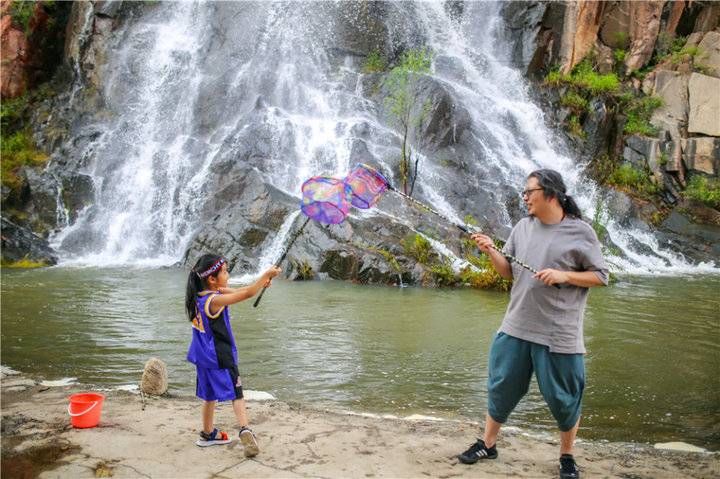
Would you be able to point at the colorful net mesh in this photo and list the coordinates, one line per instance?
(367, 185)
(325, 199)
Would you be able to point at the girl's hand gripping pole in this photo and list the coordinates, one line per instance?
(282, 258)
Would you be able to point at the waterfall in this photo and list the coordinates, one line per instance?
(197, 89)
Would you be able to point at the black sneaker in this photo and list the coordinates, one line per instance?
(478, 451)
(568, 468)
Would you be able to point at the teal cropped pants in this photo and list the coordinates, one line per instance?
(561, 378)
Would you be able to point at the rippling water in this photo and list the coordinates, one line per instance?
(653, 346)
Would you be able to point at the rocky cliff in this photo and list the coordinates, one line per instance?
(635, 41)
(634, 84)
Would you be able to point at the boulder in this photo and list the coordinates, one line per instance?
(604, 58)
(20, 243)
(446, 120)
(704, 105)
(43, 194)
(155, 377)
(674, 16)
(641, 152)
(673, 155)
(708, 18)
(709, 55)
(695, 240)
(702, 154)
(523, 27)
(582, 23)
(672, 87)
(644, 29)
(615, 28)
(598, 127)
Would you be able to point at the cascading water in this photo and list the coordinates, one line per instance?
(193, 87)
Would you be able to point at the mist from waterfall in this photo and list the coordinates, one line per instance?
(191, 85)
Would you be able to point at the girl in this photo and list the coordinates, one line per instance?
(212, 348)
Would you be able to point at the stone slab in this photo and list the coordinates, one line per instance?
(704, 115)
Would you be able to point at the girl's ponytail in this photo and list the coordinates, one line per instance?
(194, 286)
(196, 283)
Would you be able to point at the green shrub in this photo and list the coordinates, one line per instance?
(575, 128)
(418, 247)
(599, 221)
(21, 12)
(638, 113)
(304, 270)
(391, 260)
(485, 276)
(619, 55)
(704, 190)
(554, 78)
(583, 77)
(18, 150)
(621, 39)
(470, 220)
(633, 180)
(24, 263)
(12, 113)
(443, 274)
(374, 63)
(601, 167)
(686, 54)
(574, 101)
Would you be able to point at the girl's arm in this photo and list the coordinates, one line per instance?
(232, 296)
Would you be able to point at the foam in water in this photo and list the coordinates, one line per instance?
(8, 371)
(251, 395)
(58, 382)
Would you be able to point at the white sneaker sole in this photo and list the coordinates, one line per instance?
(249, 443)
(219, 442)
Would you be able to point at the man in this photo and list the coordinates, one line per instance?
(543, 327)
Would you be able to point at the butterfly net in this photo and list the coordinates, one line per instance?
(325, 199)
(366, 185)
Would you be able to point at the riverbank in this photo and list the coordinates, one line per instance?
(154, 438)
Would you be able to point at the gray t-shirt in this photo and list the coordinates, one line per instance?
(545, 314)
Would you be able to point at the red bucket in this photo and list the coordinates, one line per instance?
(85, 408)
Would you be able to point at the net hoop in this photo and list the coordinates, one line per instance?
(325, 199)
(367, 186)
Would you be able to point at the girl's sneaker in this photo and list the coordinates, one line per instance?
(213, 439)
(249, 442)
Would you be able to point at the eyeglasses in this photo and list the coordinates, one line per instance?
(527, 192)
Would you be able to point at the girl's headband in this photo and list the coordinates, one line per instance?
(212, 269)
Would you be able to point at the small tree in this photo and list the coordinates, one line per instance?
(402, 100)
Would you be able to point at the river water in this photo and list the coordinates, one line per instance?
(653, 345)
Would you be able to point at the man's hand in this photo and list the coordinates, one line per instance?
(552, 276)
(483, 242)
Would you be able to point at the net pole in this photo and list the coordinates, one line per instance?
(465, 229)
(295, 236)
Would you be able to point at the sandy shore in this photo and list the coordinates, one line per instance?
(155, 438)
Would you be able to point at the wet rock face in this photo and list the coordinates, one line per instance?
(20, 243)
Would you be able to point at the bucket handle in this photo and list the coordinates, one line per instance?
(84, 412)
